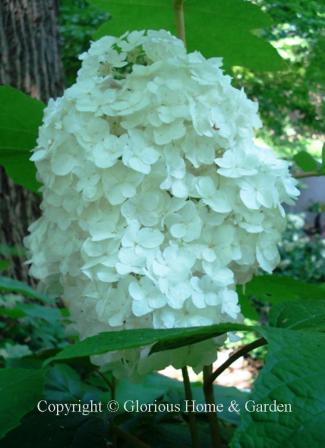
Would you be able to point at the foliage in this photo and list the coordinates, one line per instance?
(287, 378)
(20, 116)
(161, 339)
(80, 18)
(19, 390)
(38, 363)
(219, 20)
(309, 313)
(77, 20)
(292, 119)
(31, 322)
(292, 105)
(63, 385)
(292, 322)
(302, 251)
(275, 289)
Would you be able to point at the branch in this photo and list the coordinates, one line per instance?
(302, 175)
(111, 384)
(191, 415)
(234, 356)
(180, 22)
(211, 414)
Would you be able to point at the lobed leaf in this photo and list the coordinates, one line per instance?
(20, 117)
(127, 339)
(20, 389)
(293, 375)
(276, 289)
(300, 314)
(9, 285)
(225, 29)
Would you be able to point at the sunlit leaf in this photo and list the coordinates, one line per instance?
(224, 29)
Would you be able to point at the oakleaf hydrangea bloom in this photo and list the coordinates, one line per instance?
(156, 201)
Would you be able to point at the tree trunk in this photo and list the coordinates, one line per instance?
(29, 61)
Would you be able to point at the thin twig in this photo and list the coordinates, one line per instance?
(211, 414)
(129, 438)
(234, 356)
(191, 415)
(111, 384)
(308, 174)
(180, 21)
(113, 388)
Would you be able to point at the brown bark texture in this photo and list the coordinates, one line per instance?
(29, 61)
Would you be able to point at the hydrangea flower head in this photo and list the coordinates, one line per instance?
(156, 201)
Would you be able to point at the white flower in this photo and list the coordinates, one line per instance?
(138, 154)
(156, 202)
(216, 199)
(204, 292)
(229, 302)
(236, 164)
(147, 207)
(185, 224)
(114, 306)
(146, 297)
(176, 173)
(258, 191)
(120, 184)
(107, 151)
(145, 237)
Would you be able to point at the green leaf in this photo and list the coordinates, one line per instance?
(12, 313)
(151, 388)
(306, 161)
(64, 431)
(10, 285)
(164, 339)
(225, 29)
(20, 117)
(33, 310)
(20, 389)
(293, 375)
(129, 15)
(276, 289)
(165, 434)
(246, 305)
(63, 384)
(4, 265)
(323, 157)
(300, 314)
(18, 166)
(12, 251)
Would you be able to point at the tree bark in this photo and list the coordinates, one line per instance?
(29, 61)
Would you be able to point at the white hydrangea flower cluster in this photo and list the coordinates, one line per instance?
(156, 201)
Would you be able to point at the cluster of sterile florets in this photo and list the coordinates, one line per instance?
(156, 201)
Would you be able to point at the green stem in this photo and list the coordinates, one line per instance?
(212, 415)
(113, 388)
(191, 415)
(111, 384)
(180, 21)
(234, 356)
